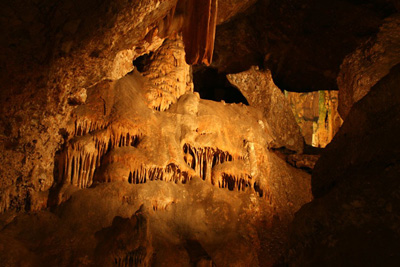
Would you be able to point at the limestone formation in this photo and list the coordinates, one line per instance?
(169, 77)
(199, 176)
(261, 92)
(110, 157)
(199, 30)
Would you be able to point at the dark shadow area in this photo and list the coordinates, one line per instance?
(141, 62)
(215, 86)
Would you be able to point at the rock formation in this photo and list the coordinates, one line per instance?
(200, 173)
(261, 92)
(199, 30)
(368, 64)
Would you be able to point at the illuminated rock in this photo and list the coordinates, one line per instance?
(261, 92)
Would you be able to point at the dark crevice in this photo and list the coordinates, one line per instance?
(141, 62)
(212, 85)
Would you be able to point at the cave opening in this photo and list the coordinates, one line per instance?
(213, 85)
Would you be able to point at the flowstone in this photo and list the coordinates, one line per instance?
(192, 182)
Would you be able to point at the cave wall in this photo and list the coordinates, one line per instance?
(52, 54)
(354, 218)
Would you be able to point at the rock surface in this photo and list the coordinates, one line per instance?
(363, 68)
(302, 42)
(168, 76)
(52, 54)
(261, 92)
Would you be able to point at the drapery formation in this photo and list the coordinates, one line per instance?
(199, 30)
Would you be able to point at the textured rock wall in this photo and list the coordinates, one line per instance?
(363, 68)
(51, 55)
(261, 92)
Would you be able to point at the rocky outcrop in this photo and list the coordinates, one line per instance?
(50, 55)
(354, 218)
(363, 68)
(261, 92)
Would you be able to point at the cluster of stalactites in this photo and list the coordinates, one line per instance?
(83, 127)
(134, 258)
(223, 169)
(203, 159)
(240, 182)
(83, 156)
(171, 173)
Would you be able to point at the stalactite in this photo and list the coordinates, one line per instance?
(203, 159)
(171, 173)
(83, 155)
(83, 127)
(233, 182)
(199, 30)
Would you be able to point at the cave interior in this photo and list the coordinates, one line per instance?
(200, 133)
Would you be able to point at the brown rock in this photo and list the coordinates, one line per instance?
(363, 68)
(48, 58)
(169, 77)
(195, 182)
(199, 30)
(227, 9)
(290, 38)
(261, 92)
(303, 160)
